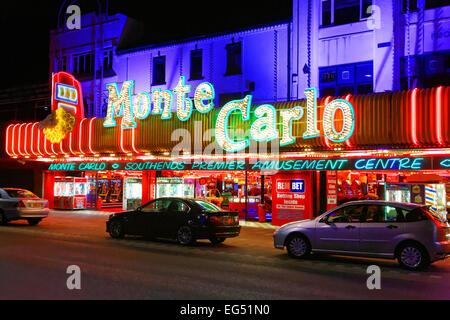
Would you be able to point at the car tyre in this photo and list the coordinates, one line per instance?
(3, 220)
(116, 230)
(216, 240)
(413, 256)
(185, 236)
(298, 246)
(33, 221)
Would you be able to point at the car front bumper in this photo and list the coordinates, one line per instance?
(278, 240)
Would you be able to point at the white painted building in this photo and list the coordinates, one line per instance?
(90, 54)
(338, 46)
(361, 46)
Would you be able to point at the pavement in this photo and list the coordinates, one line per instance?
(35, 260)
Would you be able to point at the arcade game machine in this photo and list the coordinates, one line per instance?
(103, 188)
(169, 187)
(132, 193)
(115, 191)
(70, 193)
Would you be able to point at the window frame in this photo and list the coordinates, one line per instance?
(362, 16)
(196, 53)
(233, 70)
(155, 81)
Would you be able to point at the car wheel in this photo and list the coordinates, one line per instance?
(33, 222)
(116, 230)
(216, 240)
(185, 236)
(298, 246)
(3, 220)
(413, 256)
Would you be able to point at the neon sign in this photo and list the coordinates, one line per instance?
(366, 164)
(264, 128)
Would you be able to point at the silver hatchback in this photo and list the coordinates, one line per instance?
(16, 204)
(411, 233)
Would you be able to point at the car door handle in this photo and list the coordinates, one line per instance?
(391, 226)
(350, 227)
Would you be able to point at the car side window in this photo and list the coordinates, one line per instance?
(414, 215)
(378, 213)
(156, 206)
(178, 206)
(347, 215)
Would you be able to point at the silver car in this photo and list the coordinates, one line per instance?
(411, 233)
(16, 204)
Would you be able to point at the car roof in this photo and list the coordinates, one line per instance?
(404, 205)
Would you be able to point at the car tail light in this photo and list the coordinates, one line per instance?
(214, 219)
(20, 204)
(443, 228)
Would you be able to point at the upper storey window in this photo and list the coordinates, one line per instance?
(338, 12)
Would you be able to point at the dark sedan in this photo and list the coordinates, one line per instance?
(183, 219)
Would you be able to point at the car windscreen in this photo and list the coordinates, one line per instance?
(207, 206)
(20, 194)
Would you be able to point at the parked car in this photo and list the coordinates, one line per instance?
(17, 204)
(183, 219)
(411, 233)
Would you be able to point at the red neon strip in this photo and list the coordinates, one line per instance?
(61, 147)
(90, 135)
(70, 143)
(45, 146)
(414, 117)
(325, 139)
(19, 140)
(32, 139)
(79, 136)
(25, 139)
(7, 143)
(121, 139)
(53, 149)
(39, 142)
(439, 110)
(133, 140)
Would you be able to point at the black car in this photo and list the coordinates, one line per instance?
(183, 219)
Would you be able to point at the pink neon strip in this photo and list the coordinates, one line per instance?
(79, 136)
(121, 139)
(90, 135)
(327, 142)
(439, 123)
(414, 117)
(347, 142)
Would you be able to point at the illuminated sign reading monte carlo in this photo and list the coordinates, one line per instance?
(121, 104)
(403, 163)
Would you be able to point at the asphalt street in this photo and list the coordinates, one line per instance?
(34, 262)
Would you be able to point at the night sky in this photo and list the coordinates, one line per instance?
(25, 26)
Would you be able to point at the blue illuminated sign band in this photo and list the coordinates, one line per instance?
(363, 164)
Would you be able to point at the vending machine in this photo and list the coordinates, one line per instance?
(132, 193)
(70, 193)
(431, 194)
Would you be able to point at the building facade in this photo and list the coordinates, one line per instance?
(302, 115)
